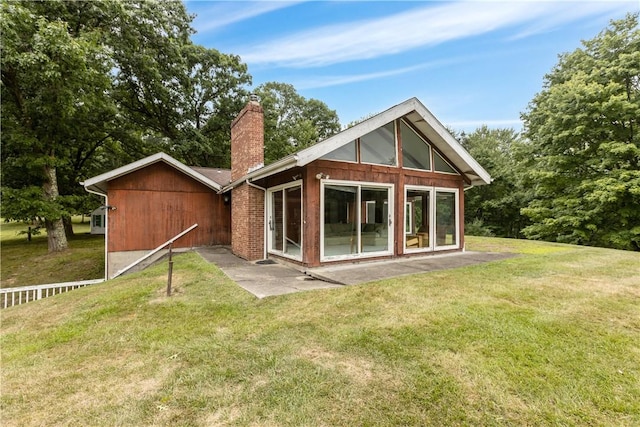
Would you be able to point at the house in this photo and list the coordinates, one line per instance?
(98, 220)
(390, 186)
(156, 198)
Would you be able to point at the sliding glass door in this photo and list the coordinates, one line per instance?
(356, 220)
(432, 219)
(418, 218)
(285, 221)
(446, 210)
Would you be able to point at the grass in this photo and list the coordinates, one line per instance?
(551, 337)
(26, 263)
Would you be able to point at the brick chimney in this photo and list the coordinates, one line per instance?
(247, 140)
(247, 201)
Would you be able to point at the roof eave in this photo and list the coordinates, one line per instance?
(318, 150)
(94, 189)
(98, 183)
(461, 157)
(281, 165)
(467, 165)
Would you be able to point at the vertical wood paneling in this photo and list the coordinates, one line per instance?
(361, 173)
(158, 202)
(311, 229)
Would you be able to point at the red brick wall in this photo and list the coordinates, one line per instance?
(247, 140)
(247, 222)
(247, 202)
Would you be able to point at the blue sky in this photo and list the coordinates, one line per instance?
(470, 63)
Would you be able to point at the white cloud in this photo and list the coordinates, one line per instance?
(567, 11)
(425, 26)
(327, 81)
(227, 13)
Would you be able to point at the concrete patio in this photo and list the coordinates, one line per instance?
(269, 278)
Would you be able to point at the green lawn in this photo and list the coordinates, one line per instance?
(26, 263)
(550, 337)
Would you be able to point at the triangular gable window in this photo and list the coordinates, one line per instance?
(441, 164)
(379, 146)
(415, 151)
(345, 153)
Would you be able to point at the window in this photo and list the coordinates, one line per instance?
(418, 213)
(441, 164)
(355, 220)
(371, 212)
(347, 153)
(416, 153)
(340, 236)
(379, 146)
(432, 219)
(446, 218)
(408, 218)
(97, 221)
(375, 231)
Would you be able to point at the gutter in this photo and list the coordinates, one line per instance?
(106, 228)
(279, 166)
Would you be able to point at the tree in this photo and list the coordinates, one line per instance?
(584, 129)
(88, 86)
(51, 77)
(497, 206)
(184, 95)
(293, 122)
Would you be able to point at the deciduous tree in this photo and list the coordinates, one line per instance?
(90, 85)
(293, 122)
(505, 156)
(51, 77)
(183, 95)
(584, 130)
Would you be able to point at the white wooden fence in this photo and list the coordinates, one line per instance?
(15, 296)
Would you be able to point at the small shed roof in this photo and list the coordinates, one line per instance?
(207, 176)
(412, 110)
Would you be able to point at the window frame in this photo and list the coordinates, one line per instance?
(268, 212)
(390, 187)
(433, 193)
(437, 153)
(456, 193)
(429, 148)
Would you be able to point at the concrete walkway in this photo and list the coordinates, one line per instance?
(367, 271)
(262, 279)
(268, 278)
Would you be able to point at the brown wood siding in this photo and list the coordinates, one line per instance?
(158, 202)
(361, 173)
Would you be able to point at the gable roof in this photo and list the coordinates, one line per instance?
(206, 176)
(221, 177)
(413, 111)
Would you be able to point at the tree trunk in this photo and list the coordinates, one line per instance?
(68, 227)
(56, 238)
(55, 235)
